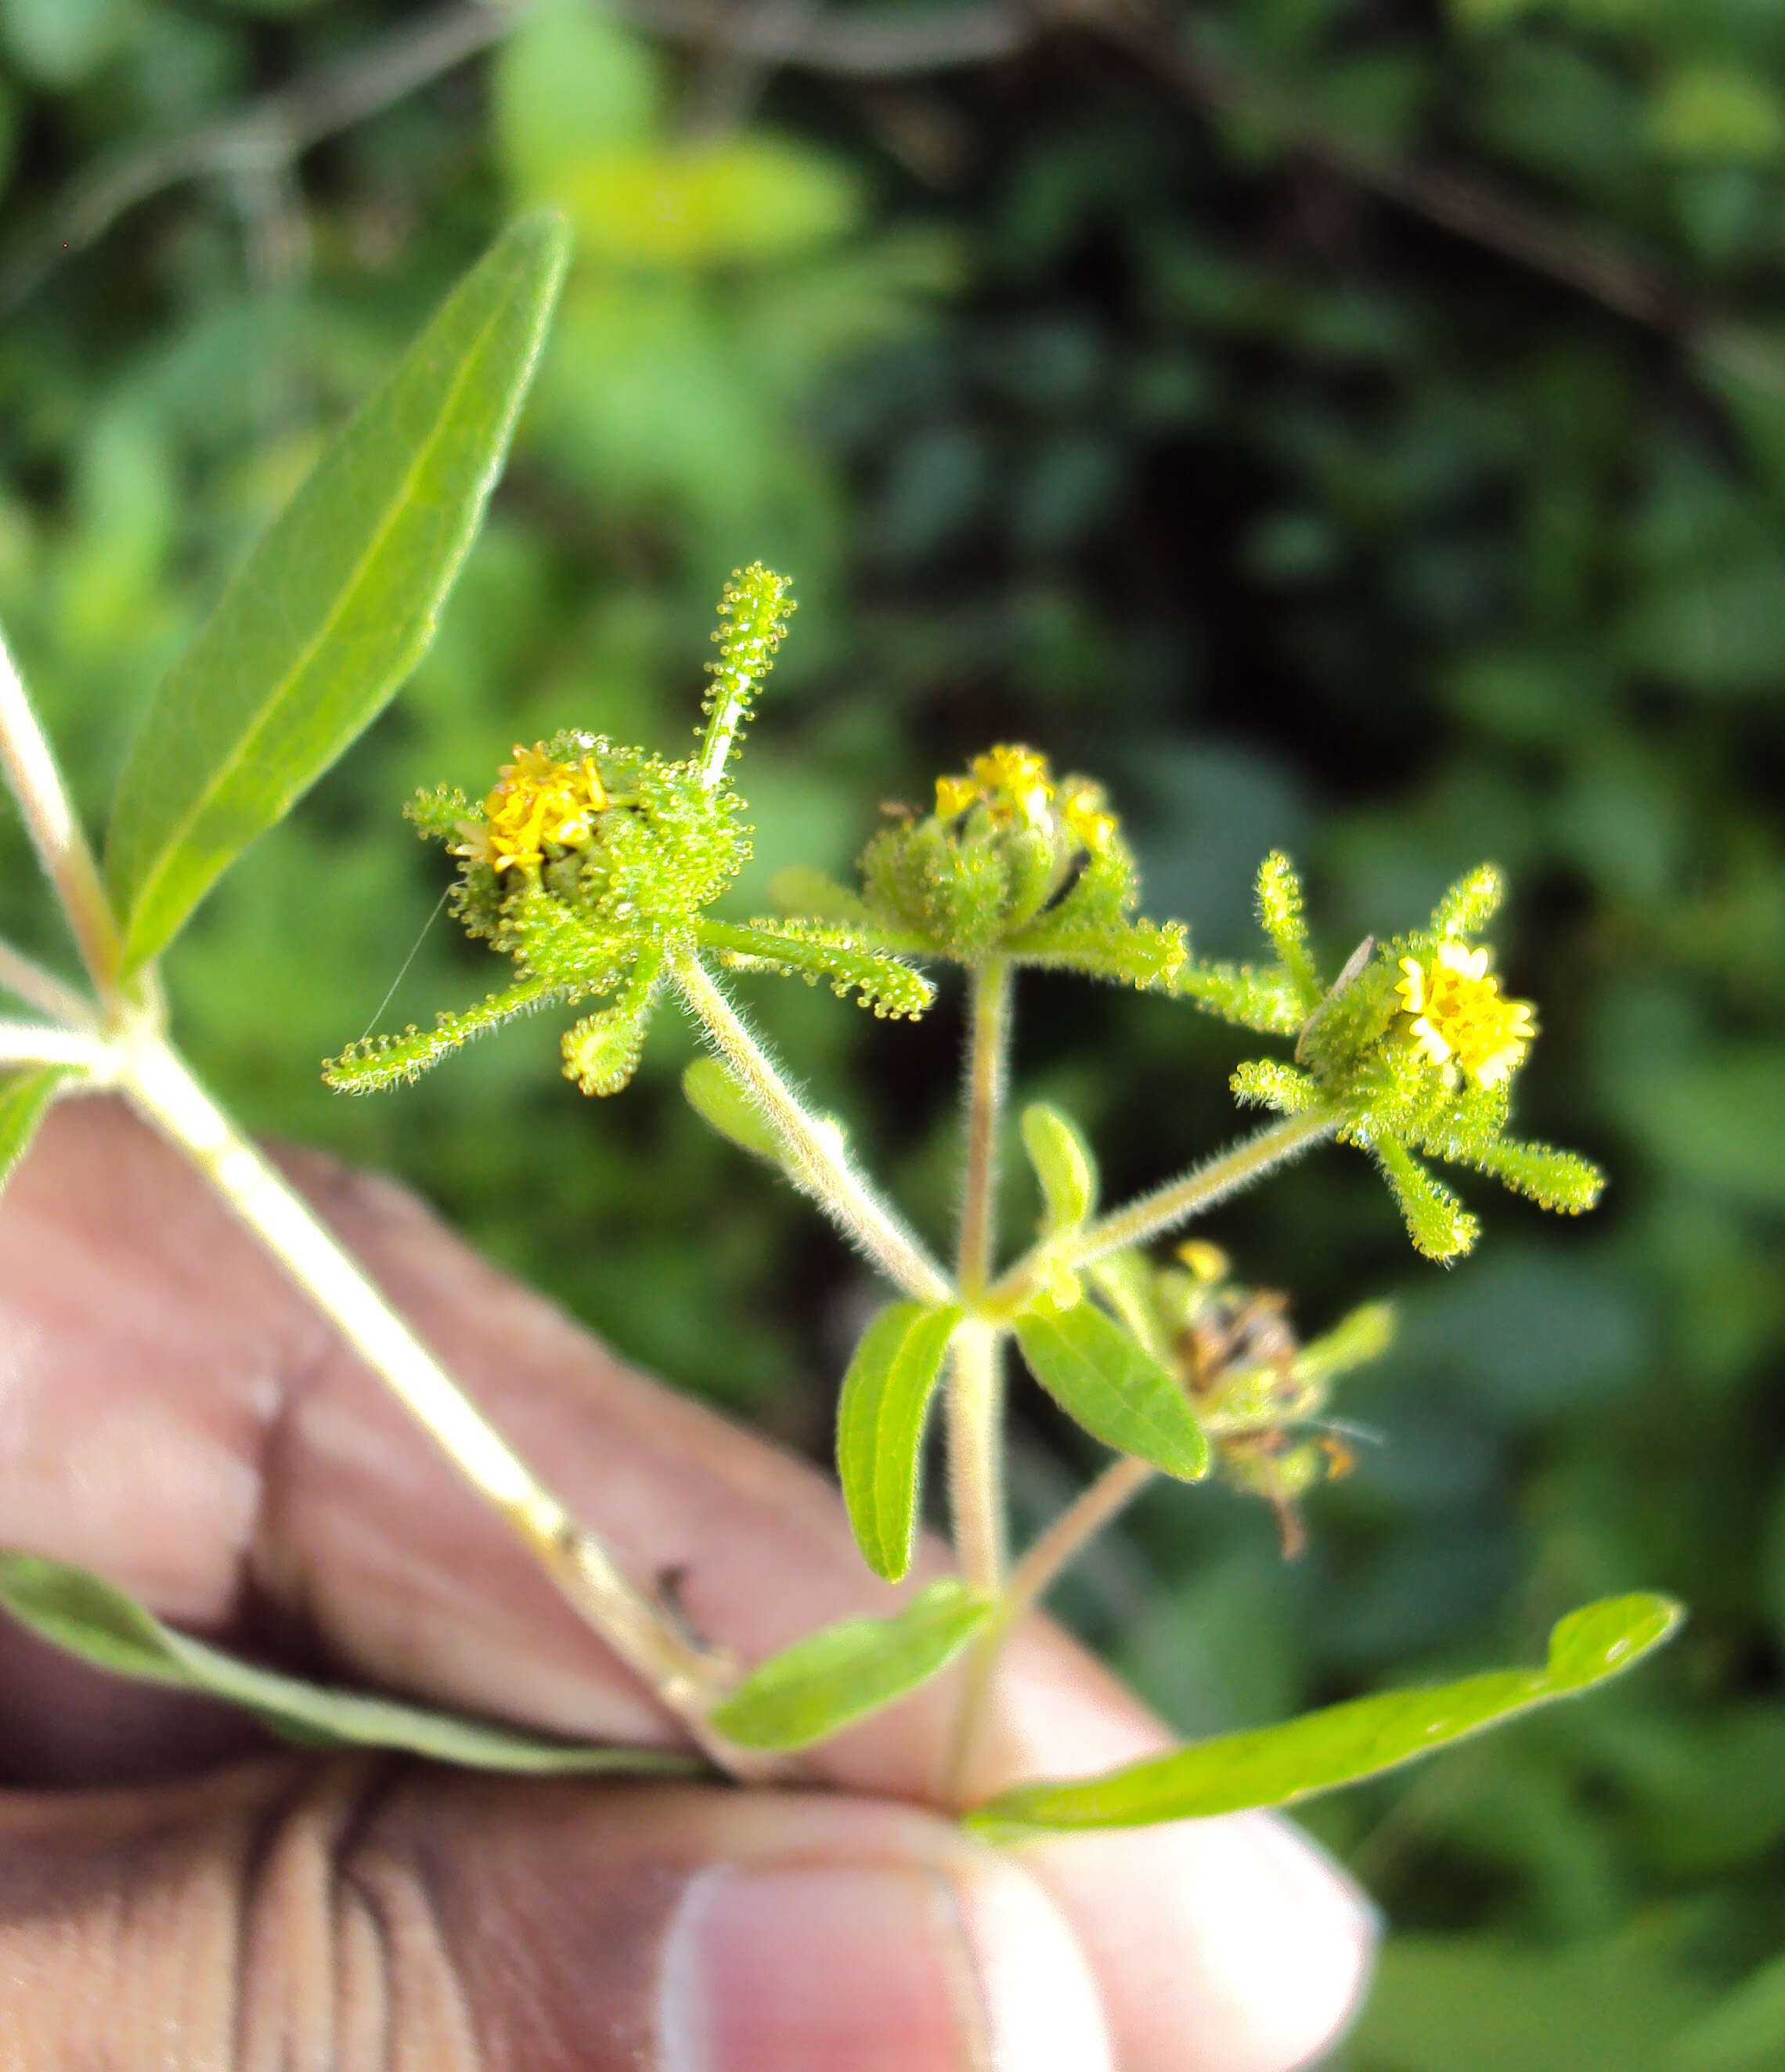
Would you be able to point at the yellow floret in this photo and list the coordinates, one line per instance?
(1014, 782)
(1460, 1021)
(1081, 809)
(1016, 788)
(537, 800)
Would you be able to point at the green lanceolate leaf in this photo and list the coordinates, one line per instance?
(90, 1617)
(25, 1098)
(1274, 1766)
(337, 604)
(721, 1102)
(1114, 1388)
(829, 1678)
(880, 1429)
(1063, 1164)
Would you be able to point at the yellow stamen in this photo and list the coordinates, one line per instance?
(1081, 809)
(1460, 1021)
(1016, 788)
(536, 801)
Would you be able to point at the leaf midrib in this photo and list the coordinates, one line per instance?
(177, 836)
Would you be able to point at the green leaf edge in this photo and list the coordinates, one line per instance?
(1190, 1466)
(111, 1630)
(1615, 1633)
(882, 1502)
(133, 889)
(750, 1715)
(25, 1099)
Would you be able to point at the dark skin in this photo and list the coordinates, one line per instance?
(174, 1890)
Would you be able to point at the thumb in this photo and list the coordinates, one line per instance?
(360, 1912)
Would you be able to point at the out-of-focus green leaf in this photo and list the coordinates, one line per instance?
(1746, 2034)
(880, 1419)
(60, 42)
(1714, 113)
(570, 80)
(1276, 1766)
(337, 602)
(723, 1105)
(1063, 1164)
(755, 200)
(1719, 1121)
(93, 1619)
(1481, 2004)
(1116, 1390)
(824, 1682)
(24, 1099)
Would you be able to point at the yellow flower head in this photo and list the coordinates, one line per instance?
(537, 800)
(1460, 1021)
(1016, 787)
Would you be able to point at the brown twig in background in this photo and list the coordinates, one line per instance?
(1471, 208)
(890, 43)
(738, 42)
(860, 42)
(265, 136)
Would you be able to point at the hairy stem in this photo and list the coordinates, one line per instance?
(988, 1056)
(41, 1043)
(1030, 1581)
(976, 1506)
(29, 766)
(37, 988)
(813, 1159)
(685, 1679)
(975, 1467)
(1096, 1505)
(1174, 1203)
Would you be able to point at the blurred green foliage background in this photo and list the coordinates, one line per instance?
(1355, 424)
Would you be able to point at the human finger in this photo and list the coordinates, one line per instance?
(202, 1438)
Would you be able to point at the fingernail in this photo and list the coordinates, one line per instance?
(807, 1967)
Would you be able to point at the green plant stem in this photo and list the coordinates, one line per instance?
(975, 1395)
(42, 1043)
(1096, 1505)
(37, 988)
(976, 1507)
(1094, 1508)
(686, 1679)
(975, 1466)
(31, 770)
(1174, 1203)
(812, 1157)
(988, 1062)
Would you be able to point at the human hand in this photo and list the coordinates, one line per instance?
(173, 1415)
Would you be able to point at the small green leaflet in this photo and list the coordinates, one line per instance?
(1275, 1765)
(1063, 1164)
(721, 1102)
(337, 602)
(830, 1679)
(1114, 1388)
(880, 1429)
(25, 1098)
(102, 1625)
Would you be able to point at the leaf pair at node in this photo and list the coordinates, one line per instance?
(1411, 1049)
(1013, 863)
(592, 866)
